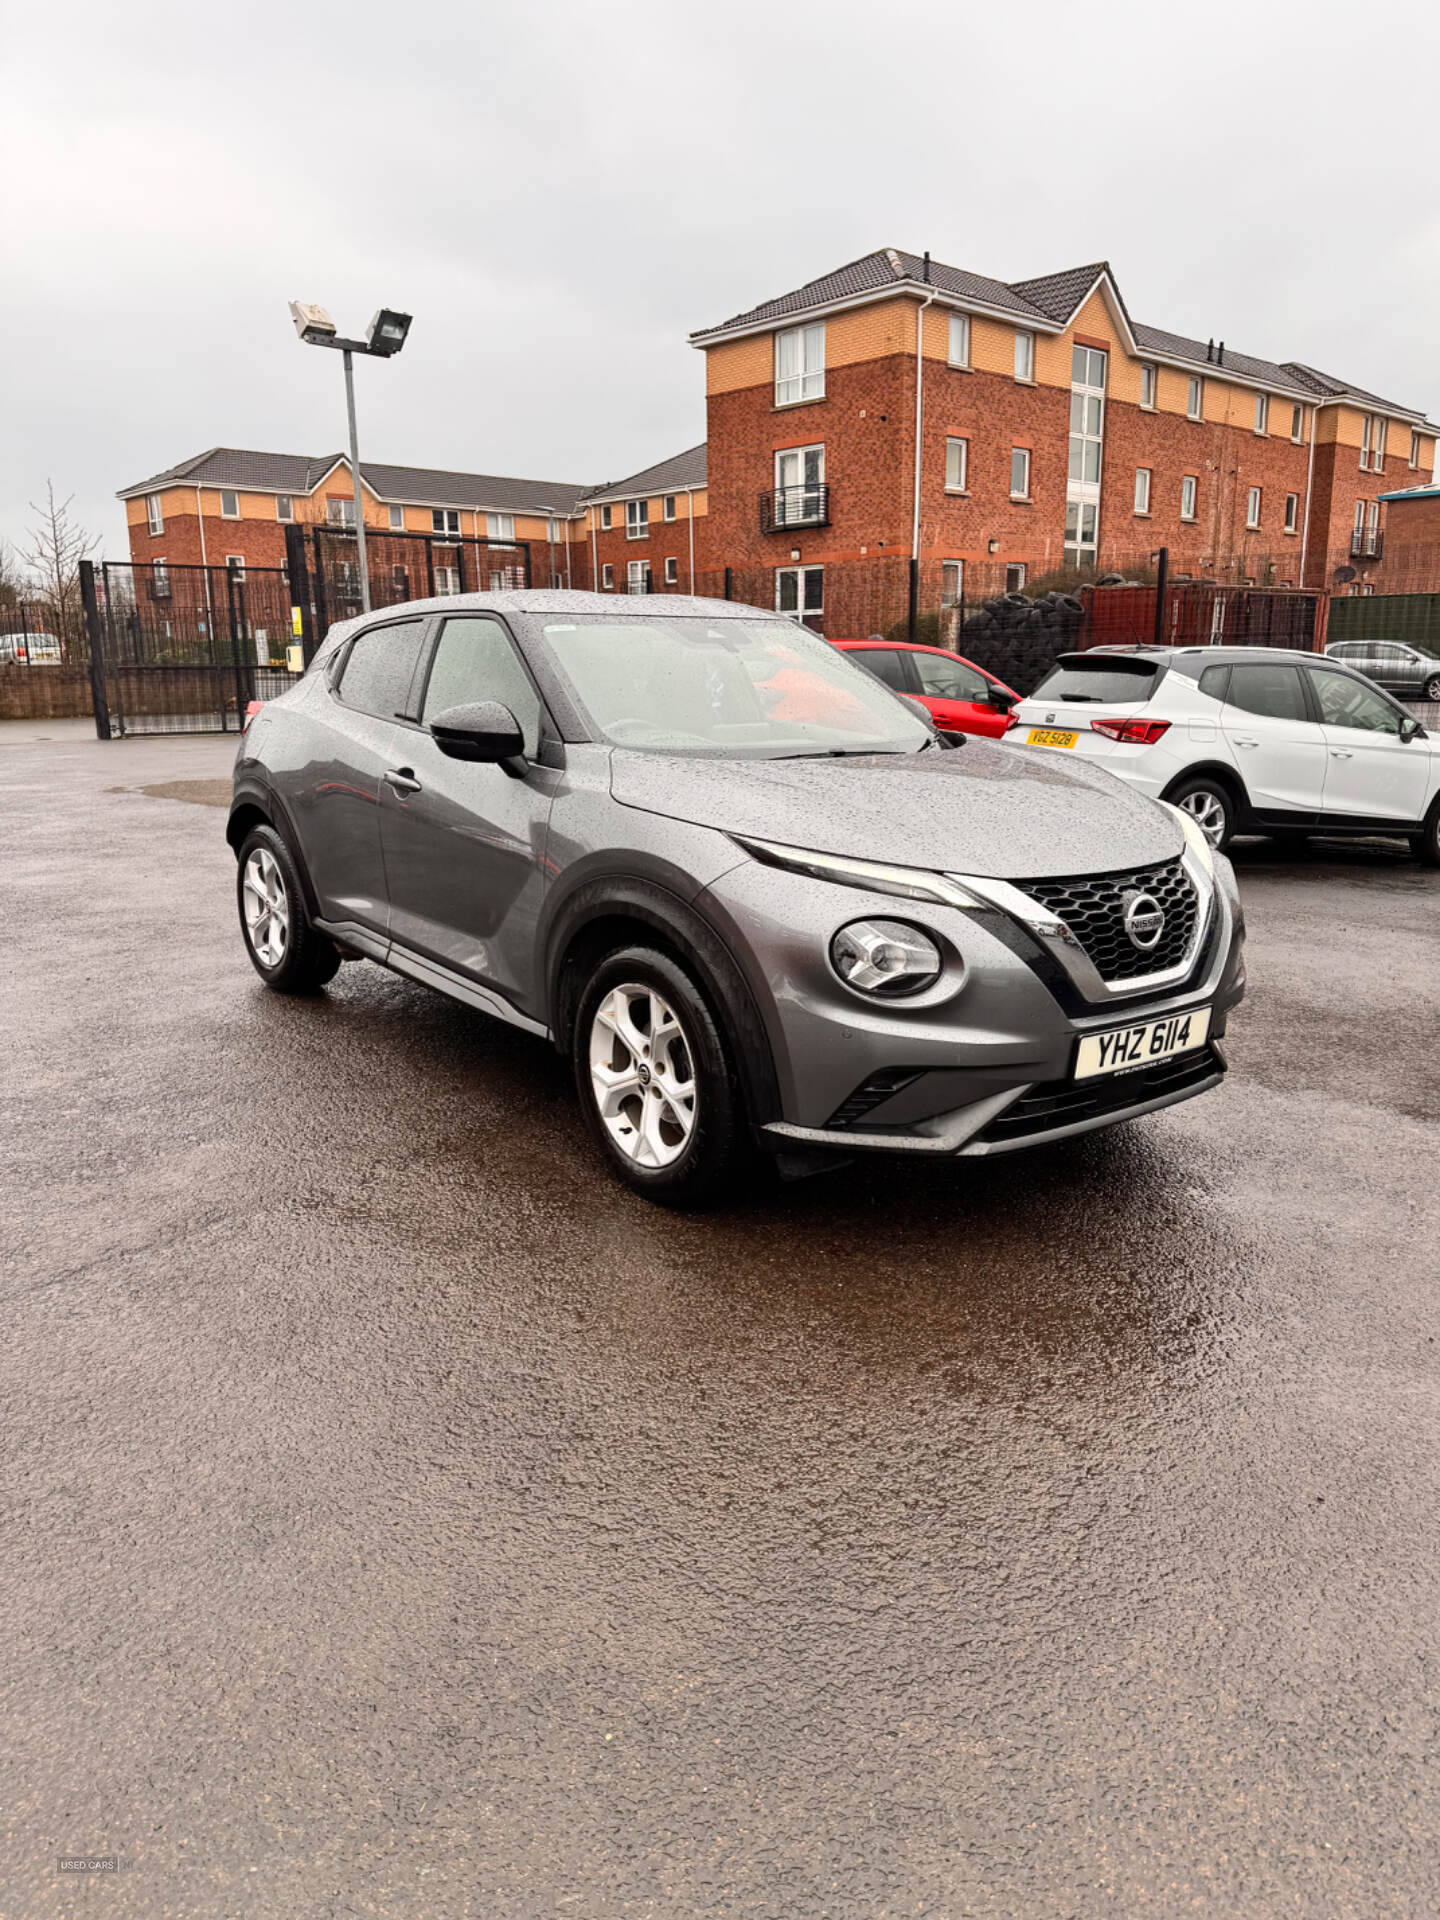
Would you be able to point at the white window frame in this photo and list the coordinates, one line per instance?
(1015, 576)
(1195, 398)
(1024, 454)
(1262, 413)
(552, 531)
(499, 526)
(1367, 421)
(672, 570)
(636, 574)
(961, 485)
(807, 380)
(1254, 502)
(285, 507)
(445, 520)
(235, 564)
(154, 514)
(637, 519)
(958, 345)
(1359, 523)
(607, 574)
(1189, 488)
(667, 507)
(1292, 512)
(160, 577)
(605, 520)
(1143, 480)
(955, 599)
(1414, 451)
(229, 513)
(799, 611)
(1025, 356)
(1297, 423)
(396, 518)
(1149, 385)
(339, 510)
(1377, 450)
(447, 582)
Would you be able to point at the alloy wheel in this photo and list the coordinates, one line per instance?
(266, 907)
(642, 1072)
(1207, 810)
(1432, 688)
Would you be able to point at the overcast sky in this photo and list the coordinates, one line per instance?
(560, 192)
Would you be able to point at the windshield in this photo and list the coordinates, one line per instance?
(735, 687)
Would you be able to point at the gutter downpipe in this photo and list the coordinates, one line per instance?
(594, 556)
(690, 507)
(919, 422)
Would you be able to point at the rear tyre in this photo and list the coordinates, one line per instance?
(1427, 841)
(1431, 688)
(1211, 805)
(656, 1080)
(284, 949)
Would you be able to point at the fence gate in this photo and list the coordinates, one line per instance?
(184, 649)
(403, 566)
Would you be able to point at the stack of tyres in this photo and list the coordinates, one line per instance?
(1017, 638)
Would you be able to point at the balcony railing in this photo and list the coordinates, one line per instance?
(782, 508)
(1367, 543)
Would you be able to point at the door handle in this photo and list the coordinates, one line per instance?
(1341, 753)
(402, 779)
(1246, 740)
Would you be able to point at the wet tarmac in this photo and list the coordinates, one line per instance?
(402, 1520)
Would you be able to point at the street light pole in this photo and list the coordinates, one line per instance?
(355, 476)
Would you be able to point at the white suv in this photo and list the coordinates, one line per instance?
(1245, 739)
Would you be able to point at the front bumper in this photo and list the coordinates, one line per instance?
(981, 1070)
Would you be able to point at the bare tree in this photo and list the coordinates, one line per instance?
(54, 552)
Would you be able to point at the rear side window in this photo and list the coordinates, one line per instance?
(1212, 681)
(1099, 679)
(1346, 649)
(1274, 692)
(380, 667)
(949, 679)
(475, 661)
(885, 663)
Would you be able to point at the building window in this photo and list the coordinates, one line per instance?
(1297, 424)
(672, 571)
(667, 507)
(552, 530)
(229, 503)
(1019, 473)
(339, 513)
(1292, 512)
(1082, 532)
(1252, 508)
(799, 498)
(500, 526)
(445, 520)
(284, 507)
(1142, 489)
(1148, 378)
(1262, 413)
(952, 582)
(607, 575)
(396, 518)
(637, 576)
(1187, 497)
(555, 579)
(637, 520)
(800, 591)
(1015, 577)
(1195, 400)
(604, 519)
(156, 519)
(959, 339)
(400, 582)
(1414, 450)
(1372, 442)
(447, 580)
(160, 579)
(1024, 355)
(235, 565)
(957, 460)
(799, 365)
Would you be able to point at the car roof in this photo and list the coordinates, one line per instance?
(1217, 654)
(542, 600)
(897, 646)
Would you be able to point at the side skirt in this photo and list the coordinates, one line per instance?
(430, 973)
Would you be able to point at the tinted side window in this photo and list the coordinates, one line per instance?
(1273, 691)
(1212, 681)
(380, 667)
(949, 679)
(886, 665)
(475, 660)
(1346, 649)
(1345, 703)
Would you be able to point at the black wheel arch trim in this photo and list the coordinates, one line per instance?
(257, 795)
(1215, 770)
(680, 924)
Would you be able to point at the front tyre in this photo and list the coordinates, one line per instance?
(655, 1079)
(284, 949)
(1427, 841)
(1211, 805)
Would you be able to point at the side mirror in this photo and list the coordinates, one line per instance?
(485, 731)
(1411, 729)
(997, 697)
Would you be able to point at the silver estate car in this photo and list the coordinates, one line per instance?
(750, 892)
(1395, 665)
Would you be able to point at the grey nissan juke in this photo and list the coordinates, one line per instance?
(749, 891)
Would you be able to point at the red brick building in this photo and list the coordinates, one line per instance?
(644, 534)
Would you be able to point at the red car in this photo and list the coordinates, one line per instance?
(961, 697)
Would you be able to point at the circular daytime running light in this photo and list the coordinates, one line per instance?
(885, 958)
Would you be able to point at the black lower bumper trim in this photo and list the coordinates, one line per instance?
(1066, 1103)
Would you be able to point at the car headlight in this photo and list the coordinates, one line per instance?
(1194, 837)
(886, 958)
(910, 883)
